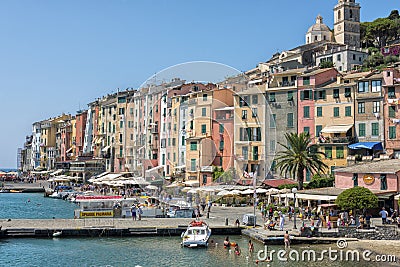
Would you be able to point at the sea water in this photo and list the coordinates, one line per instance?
(141, 251)
(34, 206)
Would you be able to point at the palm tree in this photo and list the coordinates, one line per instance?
(299, 155)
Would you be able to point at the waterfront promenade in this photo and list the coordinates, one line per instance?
(222, 219)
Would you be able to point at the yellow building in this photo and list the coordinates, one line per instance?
(48, 141)
(249, 135)
(200, 150)
(335, 118)
(174, 103)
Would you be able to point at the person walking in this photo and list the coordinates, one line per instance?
(197, 213)
(286, 239)
(139, 212)
(384, 214)
(133, 212)
(281, 221)
(209, 205)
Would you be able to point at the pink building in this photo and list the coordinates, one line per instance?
(391, 111)
(381, 177)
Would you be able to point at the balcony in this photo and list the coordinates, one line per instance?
(206, 169)
(337, 140)
(154, 130)
(286, 83)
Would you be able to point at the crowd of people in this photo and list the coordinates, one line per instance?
(391, 217)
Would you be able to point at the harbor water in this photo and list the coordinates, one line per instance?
(34, 206)
(138, 251)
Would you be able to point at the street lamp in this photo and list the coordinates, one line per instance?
(294, 191)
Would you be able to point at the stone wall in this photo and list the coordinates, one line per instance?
(388, 232)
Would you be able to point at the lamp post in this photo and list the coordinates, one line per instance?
(294, 191)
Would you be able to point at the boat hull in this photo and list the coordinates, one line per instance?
(196, 235)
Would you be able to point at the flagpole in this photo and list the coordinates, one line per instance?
(254, 195)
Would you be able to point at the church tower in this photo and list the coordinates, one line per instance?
(347, 23)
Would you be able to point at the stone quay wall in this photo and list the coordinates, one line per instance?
(384, 232)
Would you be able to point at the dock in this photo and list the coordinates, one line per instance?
(103, 228)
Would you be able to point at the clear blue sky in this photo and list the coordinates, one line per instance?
(57, 56)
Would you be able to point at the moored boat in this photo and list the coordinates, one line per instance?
(196, 235)
(57, 234)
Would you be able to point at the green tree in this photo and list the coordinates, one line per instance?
(357, 198)
(326, 64)
(221, 176)
(217, 172)
(373, 60)
(319, 181)
(380, 31)
(298, 156)
(287, 186)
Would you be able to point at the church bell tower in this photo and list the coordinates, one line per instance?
(347, 23)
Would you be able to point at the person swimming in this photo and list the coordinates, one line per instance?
(237, 250)
(226, 242)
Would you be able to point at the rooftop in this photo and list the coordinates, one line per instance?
(384, 166)
(277, 182)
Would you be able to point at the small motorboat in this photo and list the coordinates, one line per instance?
(196, 235)
(57, 233)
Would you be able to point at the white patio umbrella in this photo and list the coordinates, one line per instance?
(223, 193)
(261, 190)
(205, 189)
(247, 192)
(272, 191)
(56, 179)
(175, 184)
(151, 187)
(192, 191)
(235, 192)
(186, 189)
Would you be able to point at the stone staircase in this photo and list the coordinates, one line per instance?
(20, 233)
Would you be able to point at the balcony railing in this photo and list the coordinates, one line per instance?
(337, 140)
(154, 130)
(286, 83)
(206, 168)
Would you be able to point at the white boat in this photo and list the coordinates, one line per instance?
(196, 235)
(57, 234)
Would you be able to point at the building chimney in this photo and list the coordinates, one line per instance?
(339, 79)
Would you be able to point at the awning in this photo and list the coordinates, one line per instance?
(307, 196)
(255, 81)
(191, 182)
(154, 169)
(105, 149)
(109, 177)
(225, 108)
(56, 172)
(367, 145)
(396, 197)
(180, 167)
(336, 128)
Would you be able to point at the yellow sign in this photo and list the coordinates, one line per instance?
(96, 214)
(368, 179)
